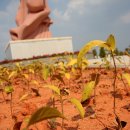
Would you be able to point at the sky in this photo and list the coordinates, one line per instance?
(84, 20)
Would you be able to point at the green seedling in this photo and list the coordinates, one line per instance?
(9, 90)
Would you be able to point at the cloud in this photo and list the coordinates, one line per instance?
(79, 7)
(126, 18)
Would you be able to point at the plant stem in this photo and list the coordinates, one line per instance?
(114, 82)
(11, 106)
(114, 89)
(62, 110)
(3, 95)
(95, 89)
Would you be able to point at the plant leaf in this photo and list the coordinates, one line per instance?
(13, 73)
(88, 89)
(43, 114)
(54, 88)
(78, 106)
(8, 89)
(24, 97)
(67, 75)
(88, 47)
(26, 76)
(127, 77)
(45, 72)
(111, 42)
(72, 62)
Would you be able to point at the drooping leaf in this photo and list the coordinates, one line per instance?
(54, 88)
(127, 77)
(43, 114)
(88, 89)
(8, 89)
(88, 47)
(111, 42)
(78, 106)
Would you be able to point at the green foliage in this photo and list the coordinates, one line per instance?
(88, 89)
(102, 52)
(78, 106)
(8, 89)
(94, 51)
(43, 114)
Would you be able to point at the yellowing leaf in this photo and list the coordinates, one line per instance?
(54, 88)
(26, 76)
(72, 62)
(88, 89)
(13, 73)
(78, 106)
(44, 113)
(31, 71)
(111, 42)
(88, 47)
(67, 75)
(127, 77)
(34, 82)
(45, 72)
(24, 97)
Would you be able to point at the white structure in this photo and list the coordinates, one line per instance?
(38, 47)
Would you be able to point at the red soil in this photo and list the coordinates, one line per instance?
(97, 117)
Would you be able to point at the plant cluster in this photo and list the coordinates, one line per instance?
(55, 74)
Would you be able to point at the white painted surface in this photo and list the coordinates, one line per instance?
(121, 61)
(38, 47)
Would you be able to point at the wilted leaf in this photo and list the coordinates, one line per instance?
(43, 114)
(78, 106)
(127, 77)
(87, 92)
(8, 89)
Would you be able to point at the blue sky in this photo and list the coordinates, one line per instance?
(84, 20)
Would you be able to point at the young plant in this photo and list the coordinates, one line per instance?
(110, 45)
